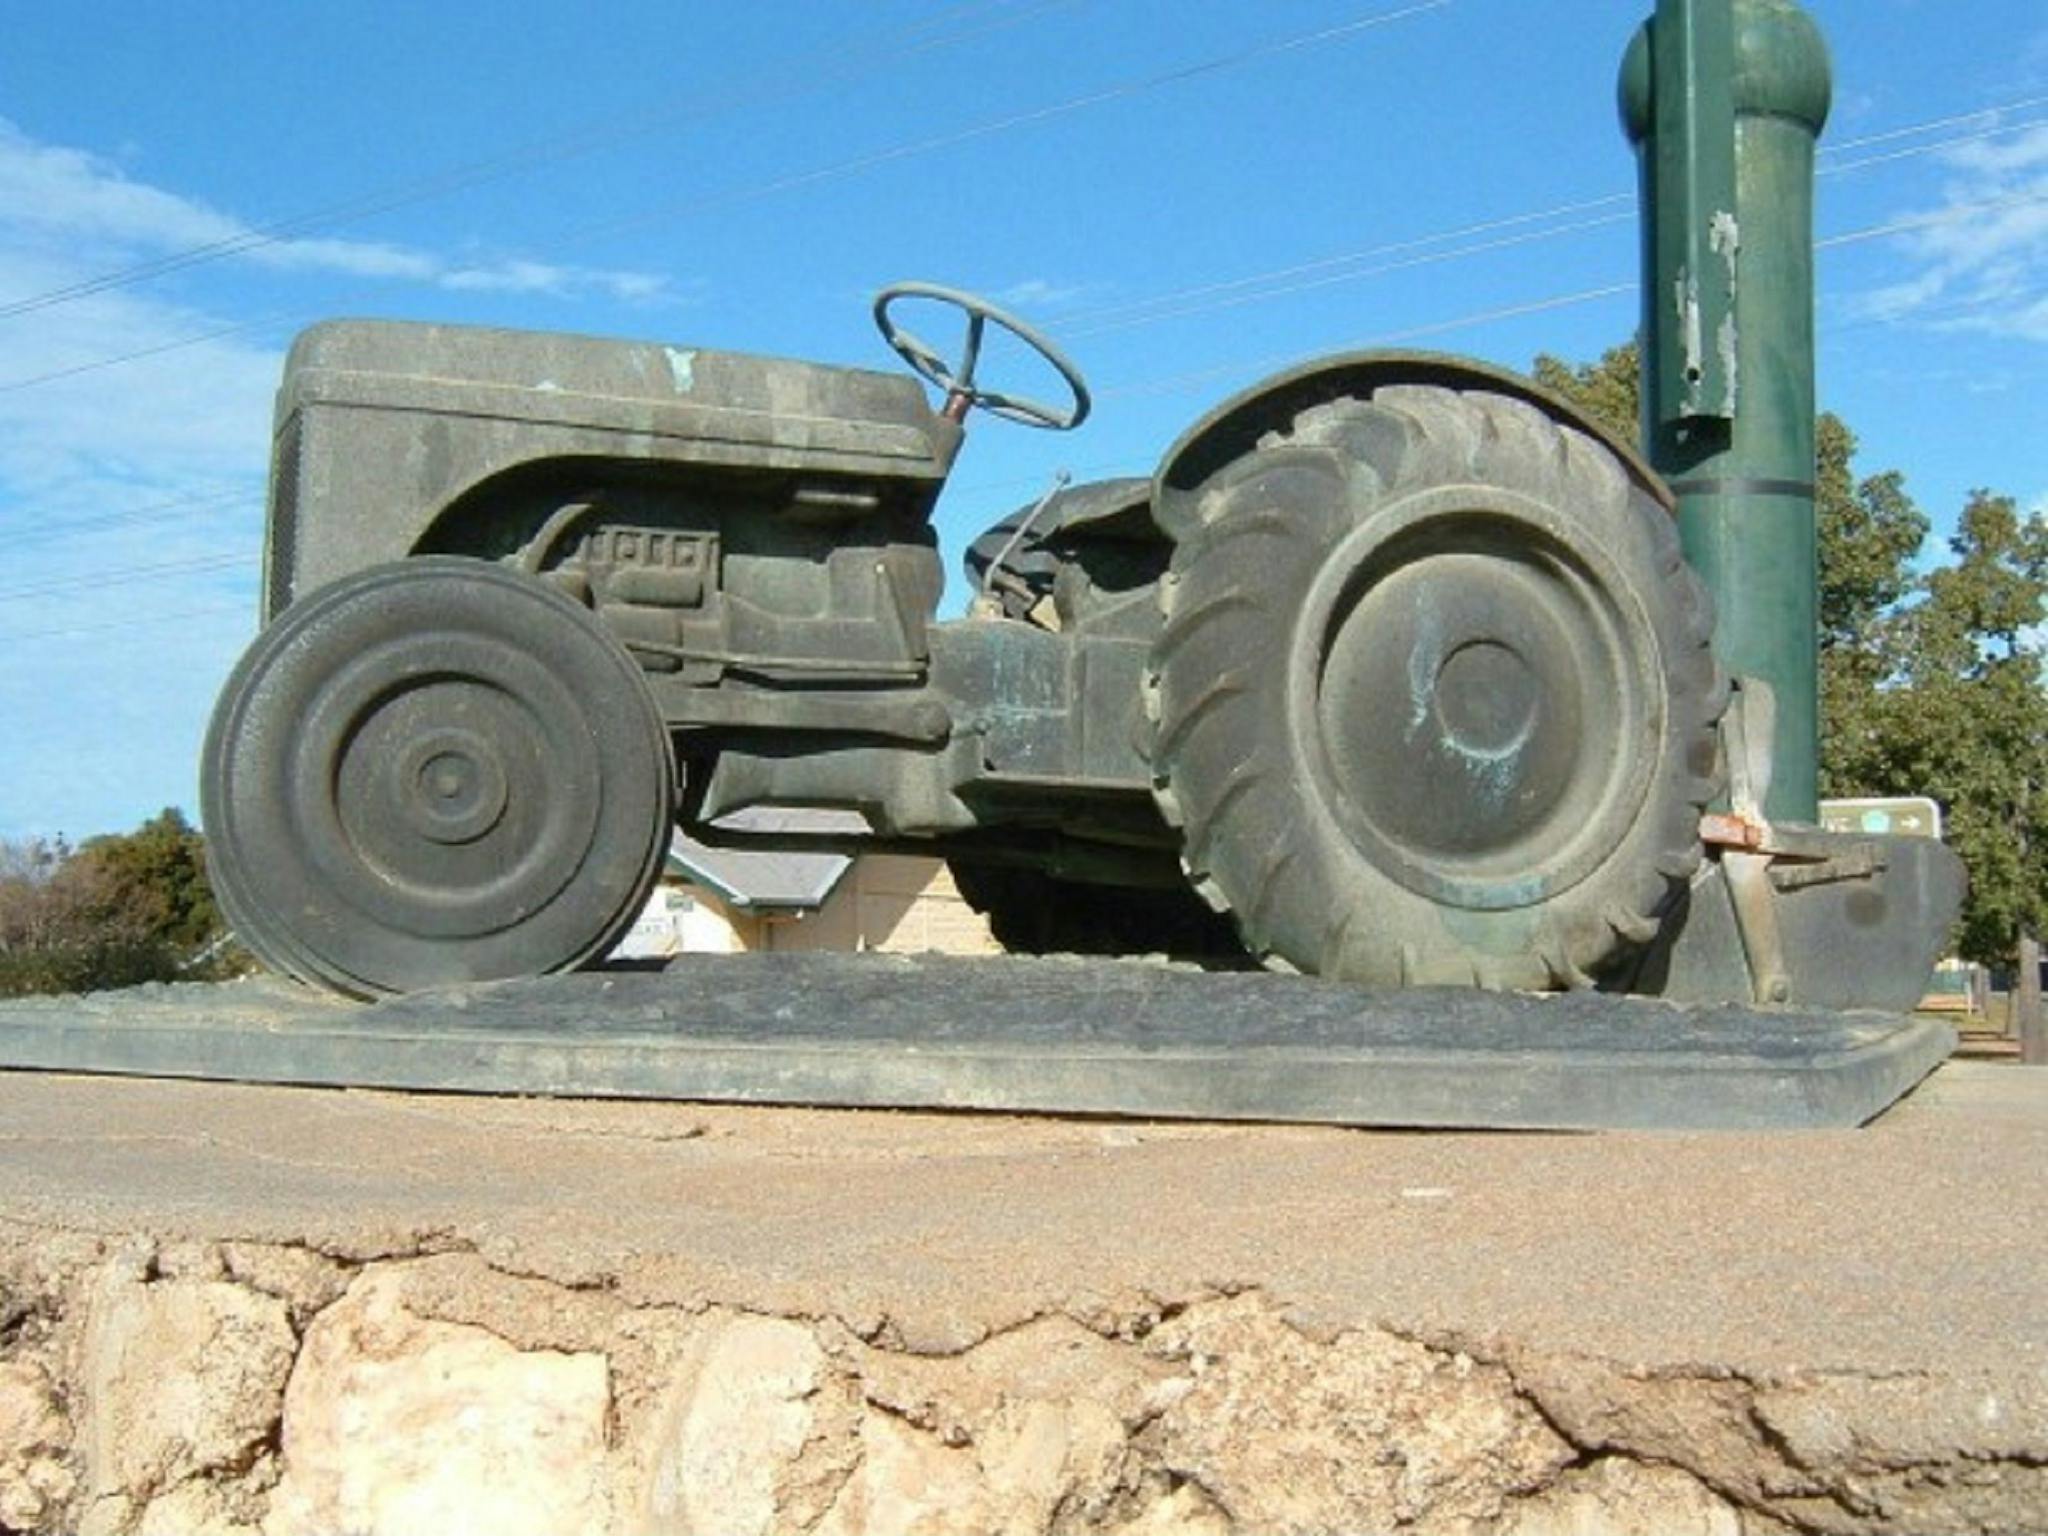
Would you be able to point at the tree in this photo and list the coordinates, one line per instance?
(1930, 684)
(1869, 532)
(1969, 719)
(156, 876)
(1611, 390)
(122, 909)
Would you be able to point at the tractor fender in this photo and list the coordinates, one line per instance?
(1235, 427)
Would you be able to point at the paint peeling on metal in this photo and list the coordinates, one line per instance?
(1724, 236)
(1425, 661)
(1687, 293)
(1495, 773)
(682, 367)
(1726, 343)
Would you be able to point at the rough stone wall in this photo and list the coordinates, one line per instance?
(164, 1389)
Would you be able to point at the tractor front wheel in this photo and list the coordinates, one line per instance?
(430, 772)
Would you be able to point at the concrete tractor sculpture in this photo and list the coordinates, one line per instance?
(1398, 671)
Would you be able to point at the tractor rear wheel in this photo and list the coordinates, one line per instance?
(1434, 702)
(430, 772)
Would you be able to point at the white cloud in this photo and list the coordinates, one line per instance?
(131, 495)
(74, 196)
(1981, 259)
(130, 501)
(1037, 293)
(56, 198)
(546, 277)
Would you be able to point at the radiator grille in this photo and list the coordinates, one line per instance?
(281, 540)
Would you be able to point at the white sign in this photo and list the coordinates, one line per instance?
(1897, 816)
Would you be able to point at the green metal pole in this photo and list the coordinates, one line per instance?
(1725, 101)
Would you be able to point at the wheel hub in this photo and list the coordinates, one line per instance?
(1486, 700)
(449, 786)
(1474, 693)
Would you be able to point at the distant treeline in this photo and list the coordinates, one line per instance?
(112, 912)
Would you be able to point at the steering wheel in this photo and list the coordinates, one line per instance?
(958, 381)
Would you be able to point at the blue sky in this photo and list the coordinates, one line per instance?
(1186, 195)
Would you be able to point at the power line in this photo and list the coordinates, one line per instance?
(1123, 91)
(124, 576)
(1939, 217)
(1559, 301)
(72, 372)
(1327, 264)
(1280, 282)
(831, 172)
(1914, 150)
(1457, 253)
(148, 622)
(1272, 361)
(1934, 125)
(521, 158)
(39, 528)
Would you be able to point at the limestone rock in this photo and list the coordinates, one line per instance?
(33, 1439)
(1703, 1423)
(1369, 1432)
(1052, 1359)
(1040, 1459)
(1852, 1424)
(182, 1378)
(1615, 1497)
(1185, 1511)
(304, 1280)
(193, 1509)
(909, 1484)
(740, 1417)
(396, 1425)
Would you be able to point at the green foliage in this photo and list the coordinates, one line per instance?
(1930, 684)
(1968, 718)
(1609, 390)
(1870, 532)
(157, 875)
(116, 912)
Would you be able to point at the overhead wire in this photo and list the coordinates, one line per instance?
(529, 156)
(1122, 91)
(1280, 282)
(839, 169)
(36, 528)
(1322, 272)
(124, 576)
(1560, 301)
(142, 623)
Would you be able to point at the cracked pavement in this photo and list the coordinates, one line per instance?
(1916, 1244)
(625, 1315)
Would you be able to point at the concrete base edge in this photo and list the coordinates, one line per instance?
(1050, 1036)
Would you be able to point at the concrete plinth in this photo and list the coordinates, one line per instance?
(241, 1309)
(1066, 1035)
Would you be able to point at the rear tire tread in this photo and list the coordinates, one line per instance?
(1225, 643)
